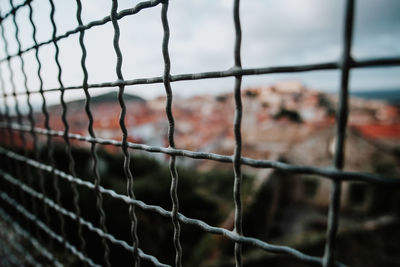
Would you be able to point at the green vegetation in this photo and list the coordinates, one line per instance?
(206, 196)
(202, 195)
(110, 97)
(291, 115)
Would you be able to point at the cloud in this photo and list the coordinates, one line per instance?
(275, 32)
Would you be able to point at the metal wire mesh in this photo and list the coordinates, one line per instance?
(36, 168)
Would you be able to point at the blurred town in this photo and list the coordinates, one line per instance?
(275, 118)
(285, 121)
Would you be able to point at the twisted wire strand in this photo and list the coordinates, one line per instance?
(342, 117)
(324, 172)
(159, 210)
(28, 237)
(4, 110)
(364, 63)
(7, 122)
(171, 129)
(88, 112)
(124, 143)
(11, 259)
(3, 131)
(30, 110)
(21, 210)
(70, 159)
(126, 12)
(7, 129)
(14, 10)
(14, 246)
(45, 112)
(238, 136)
(47, 201)
(335, 174)
(19, 116)
(19, 255)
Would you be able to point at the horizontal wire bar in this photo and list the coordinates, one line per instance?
(365, 63)
(10, 259)
(327, 172)
(390, 62)
(45, 228)
(157, 209)
(27, 236)
(72, 216)
(126, 12)
(331, 173)
(17, 249)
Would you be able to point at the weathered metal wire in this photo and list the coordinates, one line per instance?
(46, 115)
(159, 210)
(342, 116)
(90, 126)
(56, 187)
(324, 172)
(231, 72)
(21, 210)
(171, 130)
(335, 173)
(124, 143)
(29, 238)
(7, 255)
(59, 209)
(126, 12)
(6, 113)
(238, 136)
(14, 9)
(26, 173)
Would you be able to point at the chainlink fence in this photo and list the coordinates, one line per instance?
(17, 164)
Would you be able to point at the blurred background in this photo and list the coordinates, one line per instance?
(286, 117)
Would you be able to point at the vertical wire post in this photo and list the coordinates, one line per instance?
(17, 110)
(342, 116)
(30, 110)
(238, 136)
(63, 118)
(171, 129)
(46, 120)
(91, 132)
(124, 145)
(7, 117)
(94, 157)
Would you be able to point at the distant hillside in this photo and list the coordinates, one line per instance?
(391, 96)
(112, 97)
(275, 118)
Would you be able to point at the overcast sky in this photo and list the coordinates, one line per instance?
(275, 32)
